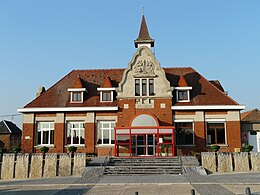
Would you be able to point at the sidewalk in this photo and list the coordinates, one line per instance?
(234, 183)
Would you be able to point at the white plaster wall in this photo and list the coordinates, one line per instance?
(254, 140)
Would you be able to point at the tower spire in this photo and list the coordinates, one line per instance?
(144, 37)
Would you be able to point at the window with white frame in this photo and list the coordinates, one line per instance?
(75, 133)
(144, 87)
(106, 132)
(77, 95)
(106, 94)
(183, 94)
(45, 133)
(216, 133)
(184, 133)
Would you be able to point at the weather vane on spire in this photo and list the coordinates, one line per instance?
(143, 10)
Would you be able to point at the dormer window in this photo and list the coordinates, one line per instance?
(183, 94)
(146, 88)
(106, 94)
(76, 95)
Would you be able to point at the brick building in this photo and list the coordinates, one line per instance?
(250, 128)
(141, 110)
(10, 135)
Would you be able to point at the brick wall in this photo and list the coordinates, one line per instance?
(6, 141)
(164, 115)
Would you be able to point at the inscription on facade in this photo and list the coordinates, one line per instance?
(144, 103)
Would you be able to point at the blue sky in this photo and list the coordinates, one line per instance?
(42, 41)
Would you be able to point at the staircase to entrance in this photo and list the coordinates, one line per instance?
(144, 165)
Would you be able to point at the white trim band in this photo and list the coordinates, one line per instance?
(213, 107)
(183, 121)
(183, 88)
(67, 109)
(106, 89)
(213, 120)
(77, 89)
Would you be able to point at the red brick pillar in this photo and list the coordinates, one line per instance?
(59, 138)
(90, 137)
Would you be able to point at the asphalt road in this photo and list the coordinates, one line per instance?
(219, 184)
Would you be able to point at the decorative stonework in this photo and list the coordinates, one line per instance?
(21, 167)
(65, 165)
(144, 68)
(36, 166)
(79, 163)
(50, 165)
(144, 65)
(7, 171)
(209, 161)
(224, 162)
(241, 161)
(255, 161)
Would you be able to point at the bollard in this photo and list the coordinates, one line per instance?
(248, 191)
(192, 192)
(136, 193)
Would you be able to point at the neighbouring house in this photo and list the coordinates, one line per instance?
(250, 127)
(140, 110)
(10, 135)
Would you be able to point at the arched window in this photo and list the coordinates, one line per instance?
(145, 120)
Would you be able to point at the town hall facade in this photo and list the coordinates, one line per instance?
(141, 110)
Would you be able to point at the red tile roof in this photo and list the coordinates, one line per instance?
(182, 82)
(107, 82)
(218, 85)
(251, 116)
(78, 83)
(203, 92)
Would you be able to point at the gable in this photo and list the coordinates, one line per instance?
(251, 116)
(7, 127)
(144, 66)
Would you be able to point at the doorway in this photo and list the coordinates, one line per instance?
(144, 145)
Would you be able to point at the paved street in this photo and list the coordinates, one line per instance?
(143, 184)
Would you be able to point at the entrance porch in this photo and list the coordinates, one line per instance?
(144, 141)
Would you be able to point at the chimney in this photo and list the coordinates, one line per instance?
(40, 91)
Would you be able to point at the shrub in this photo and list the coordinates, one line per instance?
(214, 148)
(44, 149)
(2, 150)
(248, 148)
(17, 150)
(72, 149)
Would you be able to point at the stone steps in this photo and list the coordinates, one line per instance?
(142, 165)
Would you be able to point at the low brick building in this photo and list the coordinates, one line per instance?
(250, 127)
(10, 135)
(140, 110)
